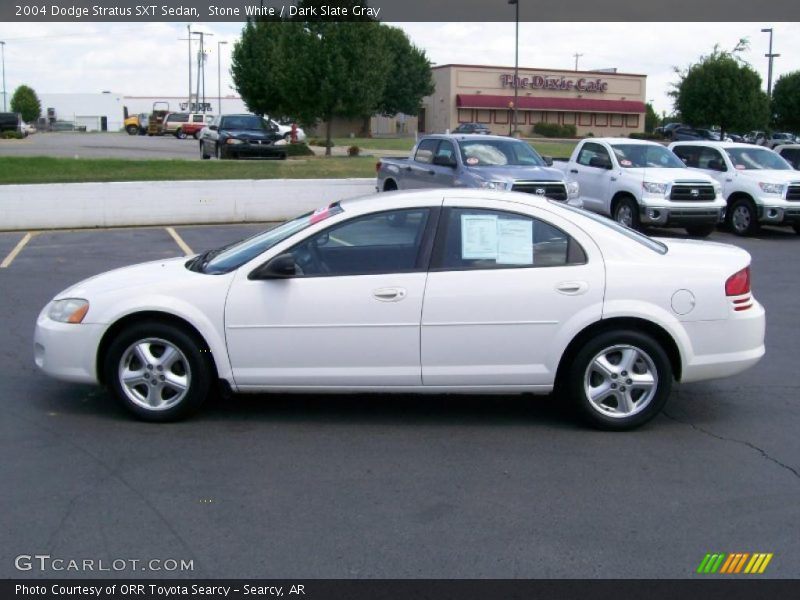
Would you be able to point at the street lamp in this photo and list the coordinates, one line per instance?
(219, 76)
(770, 56)
(3, 54)
(516, 62)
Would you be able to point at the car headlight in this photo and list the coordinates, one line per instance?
(771, 188)
(234, 141)
(492, 185)
(655, 188)
(573, 189)
(717, 189)
(68, 310)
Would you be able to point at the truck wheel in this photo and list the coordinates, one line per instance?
(701, 230)
(180, 134)
(627, 213)
(390, 186)
(203, 152)
(132, 129)
(742, 218)
(796, 228)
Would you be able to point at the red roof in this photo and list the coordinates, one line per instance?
(537, 103)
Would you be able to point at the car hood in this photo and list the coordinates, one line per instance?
(151, 274)
(661, 175)
(770, 175)
(517, 173)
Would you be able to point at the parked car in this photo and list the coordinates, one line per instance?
(475, 161)
(639, 183)
(759, 186)
(194, 125)
(445, 291)
(285, 129)
(686, 133)
(10, 121)
(670, 127)
(241, 136)
(174, 122)
(755, 137)
(472, 128)
(790, 153)
(734, 137)
(778, 139)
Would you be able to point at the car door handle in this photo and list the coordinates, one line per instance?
(729, 180)
(612, 178)
(390, 294)
(408, 168)
(573, 170)
(572, 288)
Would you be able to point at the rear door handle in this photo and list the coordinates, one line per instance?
(573, 170)
(390, 294)
(572, 288)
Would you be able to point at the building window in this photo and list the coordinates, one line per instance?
(616, 120)
(601, 120)
(552, 117)
(465, 115)
(537, 116)
(521, 117)
(585, 119)
(483, 116)
(632, 120)
(501, 116)
(569, 118)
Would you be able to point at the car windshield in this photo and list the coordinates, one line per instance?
(632, 234)
(642, 156)
(251, 122)
(233, 256)
(753, 159)
(493, 153)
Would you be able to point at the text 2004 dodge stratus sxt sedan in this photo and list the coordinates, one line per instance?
(433, 291)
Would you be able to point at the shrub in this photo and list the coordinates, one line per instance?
(298, 150)
(319, 142)
(353, 151)
(11, 135)
(554, 130)
(590, 134)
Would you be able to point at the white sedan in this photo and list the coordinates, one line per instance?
(461, 291)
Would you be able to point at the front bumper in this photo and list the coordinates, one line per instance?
(67, 351)
(254, 151)
(676, 216)
(788, 214)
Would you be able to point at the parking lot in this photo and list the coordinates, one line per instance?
(343, 486)
(101, 145)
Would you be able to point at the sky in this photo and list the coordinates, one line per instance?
(149, 59)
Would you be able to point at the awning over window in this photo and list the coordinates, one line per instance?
(535, 103)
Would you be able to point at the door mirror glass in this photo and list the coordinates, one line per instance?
(280, 267)
(548, 160)
(213, 127)
(601, 162)
(444, 161)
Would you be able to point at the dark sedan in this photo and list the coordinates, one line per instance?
(472, 128)
(241, 136)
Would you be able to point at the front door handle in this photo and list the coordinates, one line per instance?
(572, 288)
(573, 170)
(613, 178)
(390, 294)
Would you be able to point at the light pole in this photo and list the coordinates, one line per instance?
(516, 64)
(219, 76)
(577, 56)
(3, 53)
(770, 56)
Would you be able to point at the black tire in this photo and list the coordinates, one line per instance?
(796, 227)
(626, 212)
(189, 369)
(742, 217)
(389, 186)
(180, 134)
(605, 412)
(701, 230)
(203, 153)
(132, 129)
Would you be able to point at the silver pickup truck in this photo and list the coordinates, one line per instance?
(476, 161)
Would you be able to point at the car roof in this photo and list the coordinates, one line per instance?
(715, 144)
(622, 140)
(469, 136)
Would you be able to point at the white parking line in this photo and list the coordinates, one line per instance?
(179, 240)
(17, 249)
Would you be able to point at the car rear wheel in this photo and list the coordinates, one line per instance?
(619, 380)
(701, 230)
(204, 152)
(158, 371)
(180, 134)
(742, 217)
(626, 212)
(132, 129)
(796, 228)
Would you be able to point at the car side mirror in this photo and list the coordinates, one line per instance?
(599, 162)
(716, 165)
(445, 161)
(280, 267)
(213, 127)
(548, 160)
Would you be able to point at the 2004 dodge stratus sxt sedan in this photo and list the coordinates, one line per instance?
(434, 291)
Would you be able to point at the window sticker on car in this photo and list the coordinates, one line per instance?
(472, 160)
(625, 163)
(741, 168)
(325, 213)
(514, 245)
(478, 237)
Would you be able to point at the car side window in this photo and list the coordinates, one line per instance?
(690, 155)
(792, 155)
(386, 242)
(710, 158)
(446, 149)
(593, 155)
(472, 238)
(424, 153)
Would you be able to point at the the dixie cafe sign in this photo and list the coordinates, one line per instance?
(539, 82)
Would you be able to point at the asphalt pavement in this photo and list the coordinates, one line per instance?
(365, 486)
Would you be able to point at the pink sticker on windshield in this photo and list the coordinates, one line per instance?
(741, 168)
(625, 163)
(472, 160)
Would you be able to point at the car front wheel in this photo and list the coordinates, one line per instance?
(619, 380)
(158, 371)
(742, 217)
(627, 213)
(180, 134)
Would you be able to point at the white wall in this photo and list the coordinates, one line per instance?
(86, 109)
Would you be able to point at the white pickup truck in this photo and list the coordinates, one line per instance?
(641, 183)
(760, 187)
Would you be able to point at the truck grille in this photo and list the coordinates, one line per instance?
(689, 192)
(793, 193)
(549, 189)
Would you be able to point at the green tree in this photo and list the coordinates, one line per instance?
(650, 118)
(26, 102)
(721, 89)
(409, 76)
(786, 101)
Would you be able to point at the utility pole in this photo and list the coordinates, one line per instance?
(770, 56)
(3, 53)
(577, 56)
(219, 76)
(189, 39)
(201, 68)
(516, 65)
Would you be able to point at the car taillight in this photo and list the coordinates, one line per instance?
(738, 284)
(377, 166)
